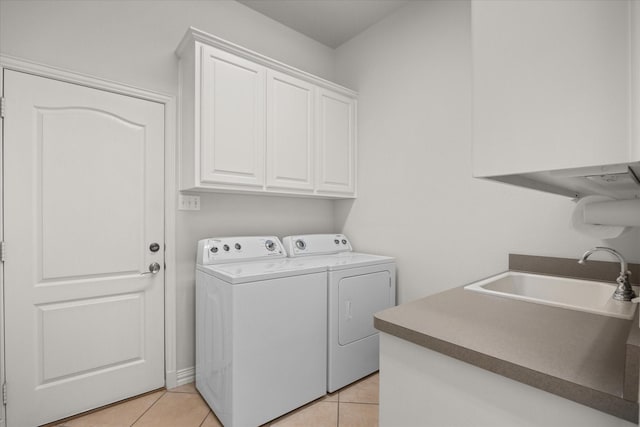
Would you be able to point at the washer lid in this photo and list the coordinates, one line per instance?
(246, 272)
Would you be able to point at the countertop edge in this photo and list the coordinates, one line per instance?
(605, 402)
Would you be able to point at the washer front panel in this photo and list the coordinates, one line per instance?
(260, 346)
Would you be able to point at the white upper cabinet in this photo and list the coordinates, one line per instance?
(251, 124)
(336, 139)
(556, 88)
(232, 119)
(290, 138)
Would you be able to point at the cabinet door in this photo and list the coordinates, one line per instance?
(289, 132)
(231, 119)
(336, 141)
(551, 84)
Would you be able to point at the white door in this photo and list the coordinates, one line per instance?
(232, 119)
(289, 132)
(336, 143)
(83, 201)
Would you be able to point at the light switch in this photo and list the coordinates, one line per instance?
(187, 202)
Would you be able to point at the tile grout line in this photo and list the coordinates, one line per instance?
(197, 393)
(205, 417)
(150, 406)
(362, 403)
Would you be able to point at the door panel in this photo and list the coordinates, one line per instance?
(289, 132)
(336, 143)
(69, 348)
(232, 116)
(360, 297)
(74, 210)
(83, 202)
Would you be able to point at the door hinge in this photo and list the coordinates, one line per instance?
(2, 107)
(3, 251)
(4, 393)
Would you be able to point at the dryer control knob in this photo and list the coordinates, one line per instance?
(238, 246)
(336, 241)
(344, 241)
(226, 248)
(214, 250)
(269, 245)
(301, 244)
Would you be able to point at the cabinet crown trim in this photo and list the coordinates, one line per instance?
(195, 35)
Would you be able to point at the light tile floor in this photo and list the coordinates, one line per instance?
(353, 406)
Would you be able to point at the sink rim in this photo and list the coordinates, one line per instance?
(623, 313)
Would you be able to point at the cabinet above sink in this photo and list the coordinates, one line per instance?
(251, 124)
(556, 89)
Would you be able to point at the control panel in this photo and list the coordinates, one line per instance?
(236, 249)
(316, 244)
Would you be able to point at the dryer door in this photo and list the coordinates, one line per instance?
(360, 297)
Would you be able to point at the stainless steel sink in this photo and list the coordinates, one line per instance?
(574, 294)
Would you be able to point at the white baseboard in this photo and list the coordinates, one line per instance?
(185, 376)
(170, 380)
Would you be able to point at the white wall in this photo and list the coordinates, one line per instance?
(133, 42)
(417, 200)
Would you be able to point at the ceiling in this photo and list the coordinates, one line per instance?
(330, 22)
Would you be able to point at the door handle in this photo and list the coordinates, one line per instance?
(347, 313)
(153, 269)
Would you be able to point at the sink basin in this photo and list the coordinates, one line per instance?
(573, 294)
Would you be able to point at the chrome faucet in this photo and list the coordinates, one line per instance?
(624, 291)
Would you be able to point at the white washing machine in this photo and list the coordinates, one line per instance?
(359, 285)
(261, 329)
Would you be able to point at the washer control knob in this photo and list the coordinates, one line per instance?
(237, 246)
(336, 241)
(214, 249)
(226, 248)
(301, 244)
(270, 245)
(344, 241)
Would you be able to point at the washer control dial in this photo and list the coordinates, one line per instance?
(226, 248)
(270, 245)
(238, 246)
(300, 244)
(214, 249)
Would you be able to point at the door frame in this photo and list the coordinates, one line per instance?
(170, 189)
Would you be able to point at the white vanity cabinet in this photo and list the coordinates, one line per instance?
(250, 124)
(556, 85)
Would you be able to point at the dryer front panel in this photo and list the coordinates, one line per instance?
(359, 298)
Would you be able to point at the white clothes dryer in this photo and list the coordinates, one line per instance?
(359, 285)
(261, 329)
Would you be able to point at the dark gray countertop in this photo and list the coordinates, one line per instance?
(588, 358)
